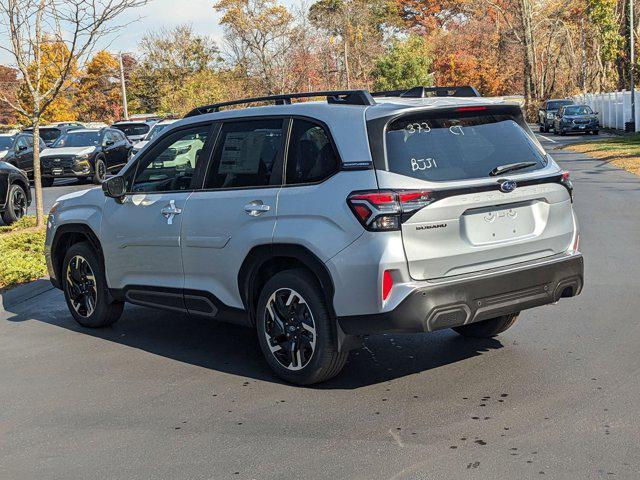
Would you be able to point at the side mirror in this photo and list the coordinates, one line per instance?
(114, 187)
(596, 113)
(108, 143)
(22, 148)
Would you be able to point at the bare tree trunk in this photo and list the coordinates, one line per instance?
(530, 91)
(37, 182)
(346, 64)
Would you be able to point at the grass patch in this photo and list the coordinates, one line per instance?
(21, 253)
(623, 152)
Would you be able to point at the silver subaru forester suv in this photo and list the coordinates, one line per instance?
(319, 222)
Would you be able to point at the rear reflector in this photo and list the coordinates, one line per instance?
(387, 284)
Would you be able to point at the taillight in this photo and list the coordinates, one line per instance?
(567, 183)
(384, 210)
(387, 284)
(470, 109)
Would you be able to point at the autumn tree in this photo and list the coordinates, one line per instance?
(54, 55)
(407, 64)
(259, 38)
(9, 85)
(173, 63)
(98, 95)
(356, 30)
(32, 24)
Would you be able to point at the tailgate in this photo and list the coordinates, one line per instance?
(477, 231)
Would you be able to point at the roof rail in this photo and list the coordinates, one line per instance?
(344, 97)
(422, 92)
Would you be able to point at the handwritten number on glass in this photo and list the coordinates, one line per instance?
(418, 127)
(423, 164)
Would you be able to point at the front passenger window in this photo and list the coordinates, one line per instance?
(171, 164)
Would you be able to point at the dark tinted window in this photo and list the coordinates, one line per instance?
(556, 104)
(171, 164)
(577, 110)
(78, 139)
(49, 134)
(6, 143)
(245, 154)
(133, 128)
(460, 146)
(311, 156)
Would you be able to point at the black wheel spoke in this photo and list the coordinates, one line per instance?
(81, 286)
(290, 330)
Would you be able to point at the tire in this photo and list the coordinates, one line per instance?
(562, 133)
(553, 130)
(88, 300)
(596, 132)
(99, 171)
(16, 206)
(46, 181)
(309, 326)
(541, 128)
(487, 328)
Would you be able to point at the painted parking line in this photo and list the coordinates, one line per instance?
(548, 139)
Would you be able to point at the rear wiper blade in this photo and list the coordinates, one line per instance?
(511, 167)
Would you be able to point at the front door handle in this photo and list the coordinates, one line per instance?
(170, 211)
(256, 208)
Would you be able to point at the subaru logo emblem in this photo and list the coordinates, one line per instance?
(508, 186)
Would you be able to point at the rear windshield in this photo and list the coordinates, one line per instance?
(49, 134)
(133, 129)
(459, 146)
(556, 104)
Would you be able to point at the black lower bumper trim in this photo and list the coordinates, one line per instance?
(455, 303)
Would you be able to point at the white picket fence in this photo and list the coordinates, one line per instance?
(614, 108)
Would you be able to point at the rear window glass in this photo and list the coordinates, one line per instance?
(133, 128)
(460, 146)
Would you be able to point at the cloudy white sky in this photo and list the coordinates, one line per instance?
(155, 15)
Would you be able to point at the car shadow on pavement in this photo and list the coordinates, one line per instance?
(234, 349)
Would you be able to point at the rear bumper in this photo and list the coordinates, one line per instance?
(455, 302)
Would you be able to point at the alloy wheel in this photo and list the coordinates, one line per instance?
(19, 202)
(290, 329)
(81, 283)
(102, 170)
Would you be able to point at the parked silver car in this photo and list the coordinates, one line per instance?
(317, 223)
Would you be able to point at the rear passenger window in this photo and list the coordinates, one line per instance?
(311, 156)
(246, 154)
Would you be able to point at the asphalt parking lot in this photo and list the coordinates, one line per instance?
(160, 395)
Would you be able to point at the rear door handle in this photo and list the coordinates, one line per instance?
(256, 208)
(170, 211)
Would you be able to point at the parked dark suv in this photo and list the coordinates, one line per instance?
(83, 154)
(576, 118)
(17, 150)
(547, 112)
(15, 195)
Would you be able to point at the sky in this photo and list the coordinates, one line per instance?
(153, 16)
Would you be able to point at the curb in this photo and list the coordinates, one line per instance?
(24, 292)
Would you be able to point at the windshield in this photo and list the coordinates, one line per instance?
(49, 134)
(78, 139)
(578, 110)
(6, 143)
(156, 130)
(556, 104)
(459, 146)
(131, 129)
